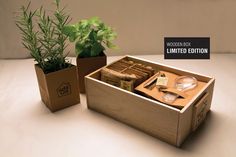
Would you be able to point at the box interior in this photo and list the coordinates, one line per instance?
(97, 74)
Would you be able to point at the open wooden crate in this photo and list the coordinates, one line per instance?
(155, 118)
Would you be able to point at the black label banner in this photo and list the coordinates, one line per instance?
(187, 48)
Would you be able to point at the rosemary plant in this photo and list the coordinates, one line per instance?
(46, 43)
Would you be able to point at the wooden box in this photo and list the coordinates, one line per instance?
(155, 118)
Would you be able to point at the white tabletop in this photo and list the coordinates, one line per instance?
(29, 129)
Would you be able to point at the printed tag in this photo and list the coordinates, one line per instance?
(187, 48)
(162, 82)
(127, 85)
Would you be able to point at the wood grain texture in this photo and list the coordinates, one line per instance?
(155, 93)
(186, 114)
(164, 67)
(132, 109)
(155, 118)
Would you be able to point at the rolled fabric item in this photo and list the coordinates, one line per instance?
(162, 82)
(141, 76)
(150, 72)
(125, 81)
(127, 69)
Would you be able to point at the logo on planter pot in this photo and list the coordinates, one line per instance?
(64, 89)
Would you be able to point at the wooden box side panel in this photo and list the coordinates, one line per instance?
(186, 117)
(152, 118)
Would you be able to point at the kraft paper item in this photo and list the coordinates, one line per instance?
(58, 89)
(157, 94)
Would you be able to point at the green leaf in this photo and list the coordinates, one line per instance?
(83, 24)
(100, 35)
(89, 34)
(111, 45)
(93, 36)
(95, 21)
(57, 2)
(47, 42)
(71, 32)
(96, 49)
(79, 48)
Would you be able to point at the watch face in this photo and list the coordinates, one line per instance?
(184, 83)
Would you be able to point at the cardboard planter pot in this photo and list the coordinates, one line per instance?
(58, 89)
(88, 65)
(158, 119)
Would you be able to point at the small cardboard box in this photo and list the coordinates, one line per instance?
(165, 122)
(59, 89)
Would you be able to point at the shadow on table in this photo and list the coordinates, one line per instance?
(135, 136)
(197, 137)
(100, 121)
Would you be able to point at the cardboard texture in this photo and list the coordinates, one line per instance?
(163, 121)
(126, 74)
(118, 79)
(157, 94)
(88, 65)
(58, 89)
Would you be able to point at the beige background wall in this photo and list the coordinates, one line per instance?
(141, 24)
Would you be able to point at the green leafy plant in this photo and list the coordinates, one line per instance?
(47, 42)
(91, 37)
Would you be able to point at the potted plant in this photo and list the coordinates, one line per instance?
(91, 37)
(42, 36)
